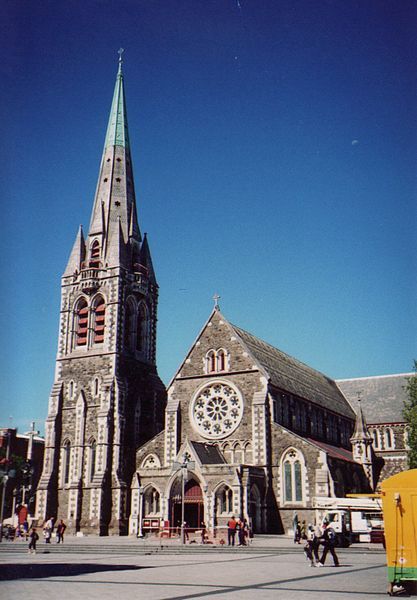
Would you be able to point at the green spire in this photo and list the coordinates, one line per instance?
(117, 131)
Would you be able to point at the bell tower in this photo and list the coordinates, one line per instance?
(107, 398)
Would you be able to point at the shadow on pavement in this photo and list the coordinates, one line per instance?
(40, 570)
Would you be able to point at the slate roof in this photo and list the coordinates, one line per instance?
(208, 454)
(334, 451)
(293, 376)
(382, 398)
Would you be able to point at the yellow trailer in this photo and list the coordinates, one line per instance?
(399, 505)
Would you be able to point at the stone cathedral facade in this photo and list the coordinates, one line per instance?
(107, 398)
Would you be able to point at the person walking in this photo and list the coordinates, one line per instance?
(231, 531)
(309, 546)
(33, 538)
(243, 532)
(203, 532)
(329, 542)
(317, 533)
(61, 527)
(296, 528)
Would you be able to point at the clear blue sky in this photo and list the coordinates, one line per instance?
(274, 146)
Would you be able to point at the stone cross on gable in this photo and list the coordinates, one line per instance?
(216, 299)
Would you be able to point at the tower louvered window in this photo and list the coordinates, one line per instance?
(95, 255)
(81, 323)
(99, 320)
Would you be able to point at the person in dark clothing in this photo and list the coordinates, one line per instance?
(243, 532)
(329, 542)
(60, 530)
(33, 538)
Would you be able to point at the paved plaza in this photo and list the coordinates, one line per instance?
(106, 568)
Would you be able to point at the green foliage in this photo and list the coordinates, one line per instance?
(410, 416)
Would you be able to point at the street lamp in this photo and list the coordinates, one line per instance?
(140, 532)
(184, 467)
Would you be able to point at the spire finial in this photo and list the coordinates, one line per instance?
(120, 52)
(216, 299)
(359, 394)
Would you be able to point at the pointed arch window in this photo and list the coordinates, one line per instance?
(81, 325)
(221, 360)
(216, 361)
(152, 501)
(95, 252)
(141, 328)
(99, 318)
(224, 500)
(211, 361)
(66, 460)
(292, 477)
(375, 439)
(389, 439)
(93, 454)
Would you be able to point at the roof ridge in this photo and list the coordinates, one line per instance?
(300, 362)
(376, 377)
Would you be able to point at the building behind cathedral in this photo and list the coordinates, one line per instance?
(260, 433)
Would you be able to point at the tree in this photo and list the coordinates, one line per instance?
(410, 416)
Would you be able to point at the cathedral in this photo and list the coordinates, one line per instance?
(243, 429)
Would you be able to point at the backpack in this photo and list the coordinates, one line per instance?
(331, 536)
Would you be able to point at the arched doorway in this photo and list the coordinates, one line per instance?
(193, 503)
(255, 509)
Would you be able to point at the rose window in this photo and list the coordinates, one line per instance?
(217, 410)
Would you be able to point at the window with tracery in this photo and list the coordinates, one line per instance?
(292, 477)
(217, 410)
(99, 315)
(81, 323)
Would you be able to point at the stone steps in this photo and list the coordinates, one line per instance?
(141, 549)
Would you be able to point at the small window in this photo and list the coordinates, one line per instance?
(95, 250)
(93, 452)
(118, 179)
(221, 360)
(389, 439)
(66, 459)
